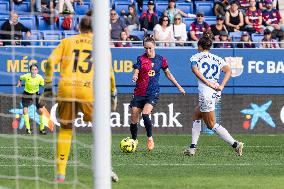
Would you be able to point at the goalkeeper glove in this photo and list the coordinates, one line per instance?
(114, 100)
(47, 93)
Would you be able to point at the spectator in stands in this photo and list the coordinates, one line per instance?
(36, 4)
(273, 21)
(50, 16)
(253, 19)
(218, 27)
(149, 18)
(163, 32)
(65, 5)
(12, 30)
(234, 18)
(68, 22)
(117, 26)
(224, 41)
(263, 4)
(139, 5)
(247, 43)
(220, 7)
(179, 30)
(197, 28)
(244, 5)
(132, 19)
(267, 41)
(124, 40)
(171, 11)
(47, 5)
(18, 2)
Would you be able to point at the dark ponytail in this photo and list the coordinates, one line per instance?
(206, 40)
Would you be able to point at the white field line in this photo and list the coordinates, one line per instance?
(44, 165)
(198, 164)
(158, 164)
(161, 146)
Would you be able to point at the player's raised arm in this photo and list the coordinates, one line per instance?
(170, 76)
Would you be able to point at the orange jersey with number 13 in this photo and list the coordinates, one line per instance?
(74, 54)
(76, 68)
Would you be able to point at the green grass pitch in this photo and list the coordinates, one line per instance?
(214, 166)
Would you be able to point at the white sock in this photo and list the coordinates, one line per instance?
(196, 129)
(223, 133)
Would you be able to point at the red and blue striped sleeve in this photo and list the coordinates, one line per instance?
(165, 63)
(137, 65)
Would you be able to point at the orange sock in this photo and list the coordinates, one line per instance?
(63, 149)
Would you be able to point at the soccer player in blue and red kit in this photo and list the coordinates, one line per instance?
(146, 93)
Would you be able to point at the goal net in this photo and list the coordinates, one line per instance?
(28, 160)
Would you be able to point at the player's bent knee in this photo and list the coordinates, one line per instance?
(66, 126)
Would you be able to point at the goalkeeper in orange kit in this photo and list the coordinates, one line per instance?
(75, 87)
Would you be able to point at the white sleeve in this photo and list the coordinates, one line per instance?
(193, 60)
(157, 28)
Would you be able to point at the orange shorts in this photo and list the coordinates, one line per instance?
(68, 111)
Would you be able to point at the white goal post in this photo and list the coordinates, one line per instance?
(101, 115)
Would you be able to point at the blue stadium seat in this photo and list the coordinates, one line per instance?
(138, 33)
(42, 25)
(235, 36)
(257, 37)
(28, 21)
(205, 7)
(78, 18)
(82, 9)
(185, 7)
(210, 20)
(22, 8)
(35, 35)
(4, 7)
(3, 18)
(161, 7)
(51, 35)
(119, 6)
(187, 22)
(69, 33)
(60, 20)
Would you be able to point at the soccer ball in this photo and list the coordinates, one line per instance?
(127, 145)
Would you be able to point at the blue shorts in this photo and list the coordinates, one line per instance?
(140, 101)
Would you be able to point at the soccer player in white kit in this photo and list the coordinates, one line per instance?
(207, 68)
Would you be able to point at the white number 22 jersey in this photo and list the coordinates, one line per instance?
(209, 65)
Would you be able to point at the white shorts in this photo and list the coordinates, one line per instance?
(208, 100)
